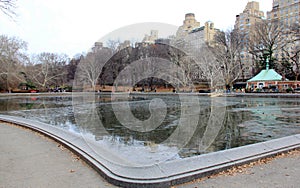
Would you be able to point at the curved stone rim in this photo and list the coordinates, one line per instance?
(165, 174)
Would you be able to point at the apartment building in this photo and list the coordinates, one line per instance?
(189, 23)
(244, 23)
(191, 36)
(285, 11)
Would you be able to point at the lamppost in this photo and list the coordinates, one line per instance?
(266, 58)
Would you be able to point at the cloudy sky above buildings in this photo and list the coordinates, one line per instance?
(68, 26)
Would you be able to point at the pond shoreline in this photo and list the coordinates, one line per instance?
(164, 174)
(269, 95)
(272, 95)
(125, 171)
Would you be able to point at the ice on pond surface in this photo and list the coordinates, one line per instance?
(148, 129)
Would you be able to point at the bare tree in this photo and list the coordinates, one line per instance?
(266, 39)
(12, 57)
(296, 67)
(113, 44)
(227, 50)
(90, 68)
(292, 50)
(150, 58)
(48, 69)
(290, 65)
(210, 68)
(71, 68)
(8, 7)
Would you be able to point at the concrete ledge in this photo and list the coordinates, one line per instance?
(233, 94)
(123, 173)
(267, 95)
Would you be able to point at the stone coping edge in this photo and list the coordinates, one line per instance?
(170, 172)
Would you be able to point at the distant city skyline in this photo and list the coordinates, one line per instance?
(71, 27)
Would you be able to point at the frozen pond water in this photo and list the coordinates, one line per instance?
(147, 129)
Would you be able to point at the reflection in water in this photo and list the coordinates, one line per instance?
(222, 123)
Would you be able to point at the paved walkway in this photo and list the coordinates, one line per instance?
(28, 159)
(281, 172)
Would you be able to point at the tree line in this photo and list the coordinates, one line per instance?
(219, 64)
(41, 71)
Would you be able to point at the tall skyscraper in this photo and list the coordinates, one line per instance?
(245, 23)
(285, 11)
(287, 14)
(192, 35)
(152, 37)
(189, 23)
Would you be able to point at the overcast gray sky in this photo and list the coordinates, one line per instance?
(69, 26)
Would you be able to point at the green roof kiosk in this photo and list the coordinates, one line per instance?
(265, 78)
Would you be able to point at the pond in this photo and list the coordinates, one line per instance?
(147, 129)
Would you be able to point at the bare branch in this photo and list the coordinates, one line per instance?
(8, 7)
(227, 52)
